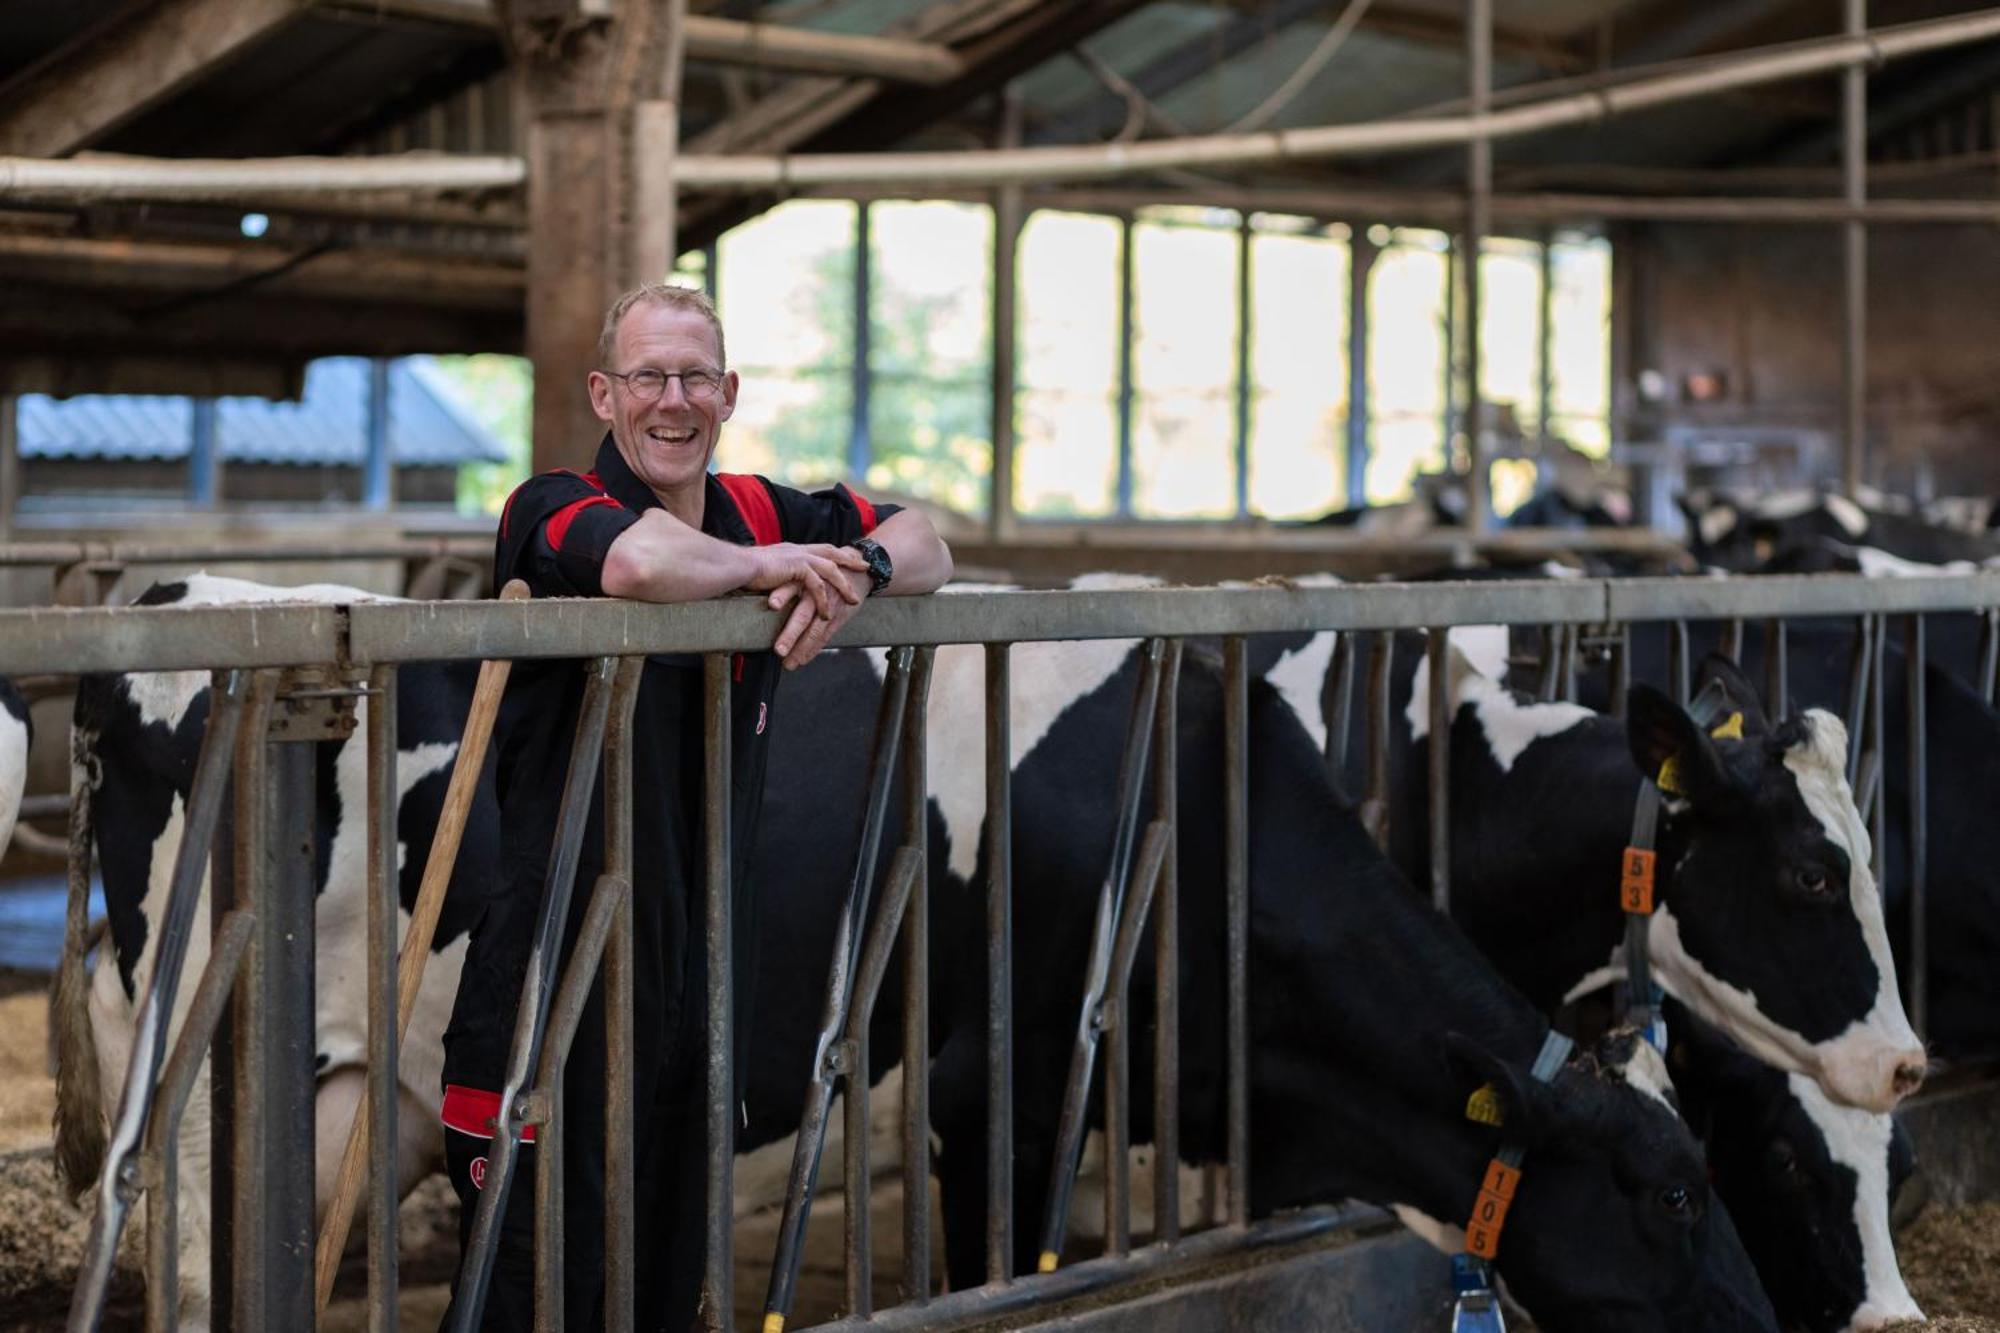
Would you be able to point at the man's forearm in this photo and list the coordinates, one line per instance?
(921, 559)
(661, 559)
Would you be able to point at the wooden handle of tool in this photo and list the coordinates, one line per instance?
(417, 944)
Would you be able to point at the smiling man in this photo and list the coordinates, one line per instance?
(650, 521)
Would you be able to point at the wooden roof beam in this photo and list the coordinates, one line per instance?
(774, 46)
(90, 87)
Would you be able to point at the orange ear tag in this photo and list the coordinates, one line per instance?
(1635, 881)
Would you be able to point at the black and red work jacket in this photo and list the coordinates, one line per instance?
(554, 533)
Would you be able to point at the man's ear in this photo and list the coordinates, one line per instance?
(1736, 687)
(1670, 749)
(727, 407)
(599, 385)
(1474, 1069)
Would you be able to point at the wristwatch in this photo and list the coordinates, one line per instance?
(880, 569)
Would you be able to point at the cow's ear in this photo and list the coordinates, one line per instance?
(1671, 749)
(1740, 694)
(1495, 1091)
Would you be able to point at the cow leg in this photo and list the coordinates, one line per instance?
(340, 1094)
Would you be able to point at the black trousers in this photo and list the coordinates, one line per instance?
(669, 1196)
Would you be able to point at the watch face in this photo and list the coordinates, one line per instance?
(880, 570)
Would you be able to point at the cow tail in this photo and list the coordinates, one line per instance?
(79, 1114)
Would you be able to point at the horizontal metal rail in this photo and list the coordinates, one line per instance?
(204, 637)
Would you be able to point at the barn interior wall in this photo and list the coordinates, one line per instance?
(1762, 306)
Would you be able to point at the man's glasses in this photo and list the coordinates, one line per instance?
(648, 384)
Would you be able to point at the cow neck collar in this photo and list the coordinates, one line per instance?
(719, 515)
(1477, 1309)
(1638, 871)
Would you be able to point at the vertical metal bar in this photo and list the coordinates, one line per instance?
(538, 981)
(857, 1249)
(1439, 750)
(549, 1257)
(1236, 851)
(1545, 338)
(275, 1231)
(1861, 662)
(916, 990)
(1879, 744)
(1621, 669)
(1566, 677)
(384, 1056)
(1478, 222)
(620, 1034)
(1777, 669)
(1007, 216)
(1915, 690)
(236, 873)
(1125, 271)
(10, 462)
(999, 966)
(1989, 652)
(547, 1097)
(860, 377)
(1677, 661)
(1166, 958)
(1375, 806)
(204, 470)
(1551, 663)
(1854, 254)
(1360, 263)
(718, 1297)
(1336, 706)
(378, 469)
(1243, 385)
(1118, 1033)
(1732, 640)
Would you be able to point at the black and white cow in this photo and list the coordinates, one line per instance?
(1497, 729)
(1809, 1183)
(139, 735)
(1744, 535)
(16, 735)
(1371, 1020)
(1708, 1272)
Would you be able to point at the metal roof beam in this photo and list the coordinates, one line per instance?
(85, 90)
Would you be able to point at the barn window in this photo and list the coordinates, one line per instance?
(1184, 363)
(1066, 400)
(786, 294)
(1408, 359)
(1580, 343)
(930, 351)
(1298, 366)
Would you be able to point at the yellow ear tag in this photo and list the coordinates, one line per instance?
(1730, 730)
(1484, 1105)
(1669, 780)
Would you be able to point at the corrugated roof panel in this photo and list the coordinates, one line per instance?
(327, 426)
(105, 426)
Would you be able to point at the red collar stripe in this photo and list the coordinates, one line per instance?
(754, 502)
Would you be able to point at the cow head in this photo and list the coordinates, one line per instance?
(1770, 925)
(1613, 1224)
(1808, 1183)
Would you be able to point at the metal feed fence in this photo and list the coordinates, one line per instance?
(287, 674)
